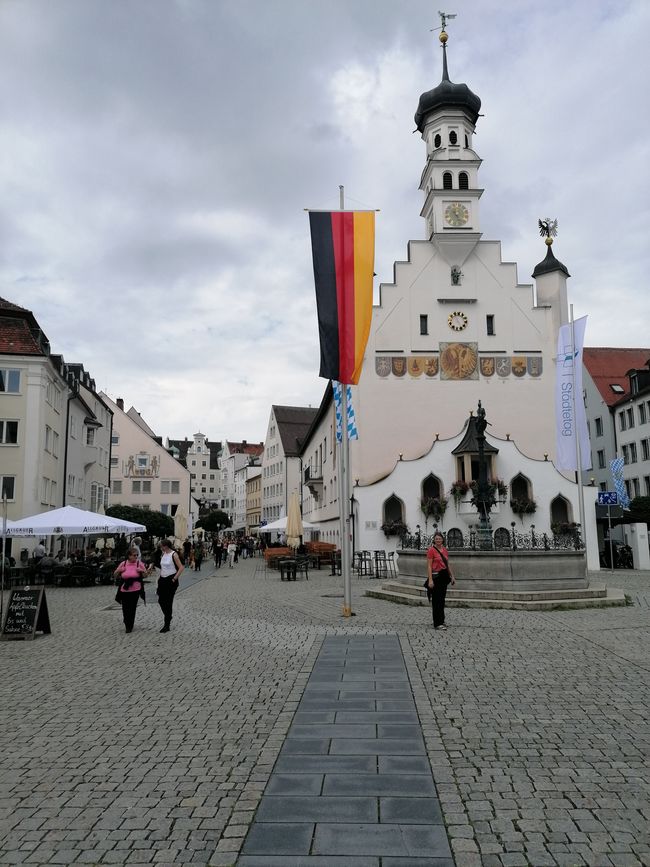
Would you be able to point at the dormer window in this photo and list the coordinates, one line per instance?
(453, 138)
(447, 181)
(463, 181)
(437, 141)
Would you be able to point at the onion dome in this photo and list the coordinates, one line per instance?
(447, 95)
(549, 263)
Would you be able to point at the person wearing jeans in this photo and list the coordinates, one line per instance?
(170, 571)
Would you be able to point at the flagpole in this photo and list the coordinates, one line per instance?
(581, 497)
(344, 485)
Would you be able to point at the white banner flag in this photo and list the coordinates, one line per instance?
(570, 416)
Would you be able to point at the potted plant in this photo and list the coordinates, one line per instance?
(523, 506)
(394, 528)
(434, 507)
(501, 488)
(564, 528)
(458, 489)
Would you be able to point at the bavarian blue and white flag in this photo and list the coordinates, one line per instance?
(353, 433)
(616, 467)
(570, 416)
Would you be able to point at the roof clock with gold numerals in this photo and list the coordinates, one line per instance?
(457, 321)
(456, 214)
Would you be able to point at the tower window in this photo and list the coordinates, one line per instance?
(463, 181)
(447, 182)
(489, 322)
(453, 138)
(424, 324)
(437, 141)
(466, 142)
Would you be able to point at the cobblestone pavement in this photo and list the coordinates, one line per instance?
(155, 749)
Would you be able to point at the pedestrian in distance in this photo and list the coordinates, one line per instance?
(217, 550)
(170, 572)
(130, 573)
(198, 556)
(232, 553)
(439, 576)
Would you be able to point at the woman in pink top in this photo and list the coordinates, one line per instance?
(439, 575)
(130, 572)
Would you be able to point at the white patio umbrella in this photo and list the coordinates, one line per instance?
(280, 526)
(70, 521)
(294, 522)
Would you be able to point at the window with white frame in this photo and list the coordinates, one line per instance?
(55, 444)
(115, 439)
(626, 455)
(8, 432)
(646, 482)
(9, 380)
(630, 417)
(170, 486)
(645, 449)
(8, 487)
(632, 453)
(599, 426)
(601, 459)
(53, 492)
(117, 487)
(642, 413)
(53, 395)
(93, 497)
(48, 438)
(73, 427)
(142, 462)
(141, 487)
(90, 437)
(45, 491)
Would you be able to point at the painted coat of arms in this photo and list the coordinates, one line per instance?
(503, 366)
(487, 366)
(459, 361)
(535, 366)
(382, 365)
(415, 365)
(430, 365)
(398, 366)
(519, 366)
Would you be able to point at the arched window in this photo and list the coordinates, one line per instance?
(393, 510)
(501, 539)
(453, 138)
(520, 488)
(437, 141)
(447, 181)
(560, 510)
(430, 487)
(454, 538)
(463, 181)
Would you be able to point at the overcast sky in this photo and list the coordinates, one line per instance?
(156, 157)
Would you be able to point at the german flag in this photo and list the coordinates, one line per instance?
(343, 250)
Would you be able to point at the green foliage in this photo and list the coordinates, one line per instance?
(434, 507)
(156, 523)
(213, 521)
(523, 506)
(640, 509)
(394, 528)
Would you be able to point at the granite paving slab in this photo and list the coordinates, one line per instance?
(352, 771)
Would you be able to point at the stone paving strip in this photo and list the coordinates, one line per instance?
(352, 786)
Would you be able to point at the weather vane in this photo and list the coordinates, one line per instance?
(444, 17)
(547, 229)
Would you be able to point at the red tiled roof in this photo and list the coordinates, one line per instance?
(245, 448)
(7, 305)
(608, 366)
(16, 337)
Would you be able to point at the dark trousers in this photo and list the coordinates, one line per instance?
(438, 596)
(129, 604)
(166, 591)
(217, 557)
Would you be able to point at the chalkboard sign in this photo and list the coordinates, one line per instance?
(26, 613)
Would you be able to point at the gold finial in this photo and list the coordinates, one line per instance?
(443, 36)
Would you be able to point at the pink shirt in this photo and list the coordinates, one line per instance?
(129, 570)
(437, 563)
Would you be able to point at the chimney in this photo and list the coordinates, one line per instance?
(120, 403)
(243, 442)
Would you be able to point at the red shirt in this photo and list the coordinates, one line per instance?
(434, 557)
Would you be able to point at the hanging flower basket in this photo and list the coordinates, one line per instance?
(523, 506)
(434, 507)
(394, 528)
(458, 489)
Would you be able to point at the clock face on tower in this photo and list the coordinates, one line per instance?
(456, 214)
(457, 321)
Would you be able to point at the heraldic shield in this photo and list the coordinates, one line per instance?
(430, 365)
(503, 366)
(519, 365)
(382, 365)
(535, 366)
(415, 366)
(398, 366)
(487, 366)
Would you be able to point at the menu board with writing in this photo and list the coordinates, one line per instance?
(26, 613)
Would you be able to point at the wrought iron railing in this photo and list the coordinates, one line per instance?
(502, 539)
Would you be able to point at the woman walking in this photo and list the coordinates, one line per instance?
(170, 571)
(439, 575)
(130, 572)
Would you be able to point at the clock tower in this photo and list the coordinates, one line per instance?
(446, 118)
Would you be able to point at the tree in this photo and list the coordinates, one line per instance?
(640, 509)
(214, 521)
(156, 523)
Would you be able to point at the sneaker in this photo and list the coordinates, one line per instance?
(443, 627)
